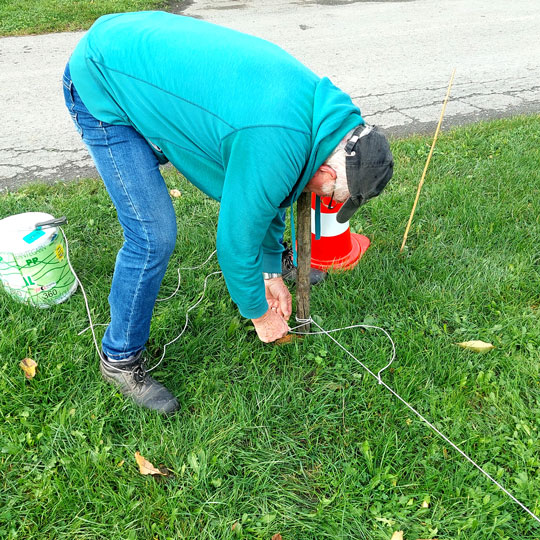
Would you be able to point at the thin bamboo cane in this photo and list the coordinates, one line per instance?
(427, 162)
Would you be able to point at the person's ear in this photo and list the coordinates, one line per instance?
(328, 170)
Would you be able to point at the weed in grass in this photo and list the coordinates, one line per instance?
(297, 440)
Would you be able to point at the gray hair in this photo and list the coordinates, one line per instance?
(336, 160)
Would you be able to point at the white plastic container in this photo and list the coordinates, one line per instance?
(33, 265)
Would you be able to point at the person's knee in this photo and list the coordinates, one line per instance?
(163, 239)
(154, 241)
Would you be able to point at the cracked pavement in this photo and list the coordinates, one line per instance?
(393, 57)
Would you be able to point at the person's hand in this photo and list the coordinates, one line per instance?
(270, 326)
(278, 296)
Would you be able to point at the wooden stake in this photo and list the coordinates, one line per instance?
(427, 162)
(303, 207)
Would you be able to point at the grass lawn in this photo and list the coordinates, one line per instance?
(19, 17)
(298, 440)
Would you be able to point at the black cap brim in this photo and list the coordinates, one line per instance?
(347, 210)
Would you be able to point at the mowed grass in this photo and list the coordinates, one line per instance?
(298, 440)
(19, 17)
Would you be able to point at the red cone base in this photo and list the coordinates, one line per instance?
(338, 253)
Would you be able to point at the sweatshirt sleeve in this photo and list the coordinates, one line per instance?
(262, 165)
(272, 246)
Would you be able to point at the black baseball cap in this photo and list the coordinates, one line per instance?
(369, 164)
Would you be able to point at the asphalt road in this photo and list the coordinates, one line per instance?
(393, 57)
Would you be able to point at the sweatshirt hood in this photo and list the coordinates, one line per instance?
(334, 115)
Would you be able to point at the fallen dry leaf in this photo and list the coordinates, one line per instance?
(398, 535)
(289, 338)
(237, 528)
(476, 346)
(175, 193)
(145, 467)
(29, 367)
(277, 537)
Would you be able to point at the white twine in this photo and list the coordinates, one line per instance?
(92, 324)
(410, 407)
(187, 320)
(180, 277)
(368, 326)
(303, 322)
(83, 293)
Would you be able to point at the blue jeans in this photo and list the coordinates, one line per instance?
(130, 171)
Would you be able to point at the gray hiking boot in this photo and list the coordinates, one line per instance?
(130, 377)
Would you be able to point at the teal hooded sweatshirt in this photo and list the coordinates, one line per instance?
(238, 116)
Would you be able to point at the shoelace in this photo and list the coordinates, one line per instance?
(139, 373)
(287, 259)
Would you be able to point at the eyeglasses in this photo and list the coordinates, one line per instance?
(330, 207)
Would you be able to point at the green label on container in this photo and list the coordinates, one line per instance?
(42, 278)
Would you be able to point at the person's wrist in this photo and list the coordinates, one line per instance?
(263, 317)
(271, 275)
